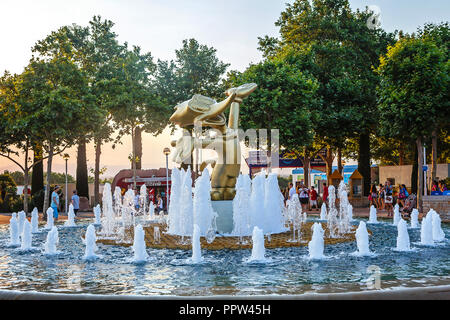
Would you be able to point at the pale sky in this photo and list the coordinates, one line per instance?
(158, 26)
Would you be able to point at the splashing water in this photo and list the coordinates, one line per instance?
(97, 214)
(397, 215)
(35, 221)
(415, 218)
(426, 231)
(273, 206)
(332, 221)
(71, 217)
(362, 240)
(139, 246)
(402, 236)
(241, 207)
(203, 213)
(373, 214)
(14, 231)
(323, 212)
(90, 239)
(50, 221)
(196, 247)
(438, 233)
(316, 245)
(175, 197)
(26, 236)
(22, 217)
(258, 249)
(51, 241)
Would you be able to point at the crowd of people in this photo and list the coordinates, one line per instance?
(308, 196)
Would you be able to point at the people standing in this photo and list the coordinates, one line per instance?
(304, 197)
(381, 197)
(160, 206)
(402, 195)
(292, 190)
(136, 200)
(75, 202)
(388, 198)
(325, 193)
(373, 196)
(55, 202)
(313, 198)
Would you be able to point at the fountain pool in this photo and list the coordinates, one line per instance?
(224, 271)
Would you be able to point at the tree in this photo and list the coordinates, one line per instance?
(283, 100)
(343, 51)
(97, 51)
(413, 92)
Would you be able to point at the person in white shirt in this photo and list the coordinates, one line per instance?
(292, 190)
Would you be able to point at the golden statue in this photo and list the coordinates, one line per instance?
(206, 112)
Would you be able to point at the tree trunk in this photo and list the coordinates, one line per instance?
(138, 147)
(420, 173)
(25, 184)
(133, 160)
(401, 155)
(306, 161)
(37, 175)
(98, 151)
(82, 184)
(329, 164)
(47, 186)
(339, 161)
(433, 156)
(364, 161)
(414, 172)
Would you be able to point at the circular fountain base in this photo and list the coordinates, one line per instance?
(279, 240)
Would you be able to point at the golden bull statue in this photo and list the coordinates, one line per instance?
(202, 111)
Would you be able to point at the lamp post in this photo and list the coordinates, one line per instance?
(66, 157)
(166, 152)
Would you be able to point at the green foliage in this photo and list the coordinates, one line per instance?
(7, 186)
(196, 70)
(413, 93)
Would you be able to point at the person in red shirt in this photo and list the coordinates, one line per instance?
(313, 198)
(325, 193)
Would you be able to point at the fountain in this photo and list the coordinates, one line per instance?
(143, 199)
(50, 221)
(151, 210)
(350, 212)
(51, 242)
(397, 215)
(415, 218)
(402, 236)
(438, 233)
(26, 236)
(258, 249)
(295, 217)
(35, 221)
(117, 199)
(175, 197)
(273, 206)
(70, 217)
(344, 225)
(22, 217)
(91, 247)
(203, 214)
(14, 240)
(196, 247)
(156, 235)
(97, 215)
(108, 220)
(426, 231)
(139, 247)
(323, 212)
(257, 209)
(241, 207)
(362, 240)
(316, 245)
(332, 221)
(373, 215)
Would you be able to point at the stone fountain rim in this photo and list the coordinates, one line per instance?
(441, 292)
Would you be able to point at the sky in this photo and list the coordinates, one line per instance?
(159, 26)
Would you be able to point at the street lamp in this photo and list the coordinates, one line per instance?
(66, 157)
(166, 152)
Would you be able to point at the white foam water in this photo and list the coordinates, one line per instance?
(21, 219)
(316, 245)
(415, 218)
(196, 246)
(438, 233)
(50, 221)
(426, 231)
(203, 214)
(323, 212)
(139, 246)
(362, 240)
(26, 236)
(373, 214)
(35, 221)
(90, 240)
(14, 230)
(97, 215)
(258, 249)
(403, 243)
(241, 207)
(397, 215)
(51, 242)
(70, 222)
